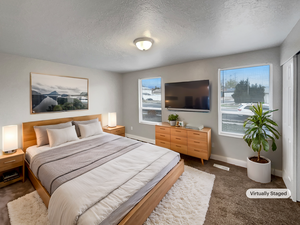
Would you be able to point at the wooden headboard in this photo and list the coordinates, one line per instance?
(28, 132)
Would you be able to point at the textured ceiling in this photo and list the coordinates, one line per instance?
(100, 34)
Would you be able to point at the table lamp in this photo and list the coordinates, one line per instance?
(10, 138)
(112, 119)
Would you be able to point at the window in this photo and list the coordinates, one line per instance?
(239, 89)
(150, 100)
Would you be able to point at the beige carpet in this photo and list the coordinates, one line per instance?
(186, 203)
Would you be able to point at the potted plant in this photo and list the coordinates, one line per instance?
(261, 128)
(172, 118)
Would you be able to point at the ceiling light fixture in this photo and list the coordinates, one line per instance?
(143, 43)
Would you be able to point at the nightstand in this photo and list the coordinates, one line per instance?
(118, 130)
(9, 162)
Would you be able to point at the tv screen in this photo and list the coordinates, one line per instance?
(188, 96)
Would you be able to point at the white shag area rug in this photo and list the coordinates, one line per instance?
(186, 203)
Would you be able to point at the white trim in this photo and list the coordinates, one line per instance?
(139, 138)
(241, 163)
(234, 135)
(236, 162)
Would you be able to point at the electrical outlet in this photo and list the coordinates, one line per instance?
(131, 127)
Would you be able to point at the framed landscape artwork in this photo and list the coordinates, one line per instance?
(53, 93)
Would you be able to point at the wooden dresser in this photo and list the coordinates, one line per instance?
(186, 141)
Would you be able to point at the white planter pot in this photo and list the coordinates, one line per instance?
(172, 123)
(259, 172)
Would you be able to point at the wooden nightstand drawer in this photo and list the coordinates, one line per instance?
(118, 131)
(178, 132)
(11, 162)
(163, 130)
(196, 135)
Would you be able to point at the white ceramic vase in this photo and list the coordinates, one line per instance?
(173, 123)
(259, 172)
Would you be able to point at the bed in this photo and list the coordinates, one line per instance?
(144, 188)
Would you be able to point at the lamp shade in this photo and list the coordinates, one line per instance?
(112, 119)
(9, 138)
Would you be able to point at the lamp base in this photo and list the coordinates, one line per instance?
(9, 151)
(111, 126)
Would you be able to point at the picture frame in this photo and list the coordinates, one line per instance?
(181, 123)
(56, 93)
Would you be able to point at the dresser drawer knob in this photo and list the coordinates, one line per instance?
(195, 134)
(10, 161)
(162, 142)
(197, 142)
(178, 146)
(196, 150)
(177, 138)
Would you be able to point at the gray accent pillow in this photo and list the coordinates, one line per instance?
(82, 122)
(41, 132)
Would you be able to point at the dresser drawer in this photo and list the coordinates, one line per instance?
(178, 140)
(178, 132)
(11, 162)
(196, 135)
(199, 153)
(162, 137)
(165, 144)
(163, 130)
(201, 143)
(179, 148)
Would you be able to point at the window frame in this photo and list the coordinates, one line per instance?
(236, 135)
(141, 103)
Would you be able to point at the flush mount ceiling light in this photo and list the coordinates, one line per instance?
(143, 43)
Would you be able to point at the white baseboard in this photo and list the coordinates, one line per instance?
(236, 162)
(148, 140)
(242, 163)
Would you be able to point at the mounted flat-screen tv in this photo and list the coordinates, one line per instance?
(188, 96)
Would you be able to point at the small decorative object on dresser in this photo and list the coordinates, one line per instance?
(172, 118)
(12, 168)
(117, 130)
(181, 123)
(186, 141)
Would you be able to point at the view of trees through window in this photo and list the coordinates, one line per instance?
(240, 89)
(151, 100)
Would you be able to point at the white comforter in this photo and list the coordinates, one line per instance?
(93, 196)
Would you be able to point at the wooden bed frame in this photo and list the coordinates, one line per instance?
(141, 211)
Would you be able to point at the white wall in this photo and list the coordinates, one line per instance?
(291, 45)
(105, 90)
(205, 69)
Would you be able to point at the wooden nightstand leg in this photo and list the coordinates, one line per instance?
(202, 161)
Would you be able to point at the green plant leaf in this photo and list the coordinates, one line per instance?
(265, 145)
(274, 146)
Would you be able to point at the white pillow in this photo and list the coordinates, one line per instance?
(59, 136)
(90, 129)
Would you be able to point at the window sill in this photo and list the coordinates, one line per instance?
(232, 135)
(150, 123)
